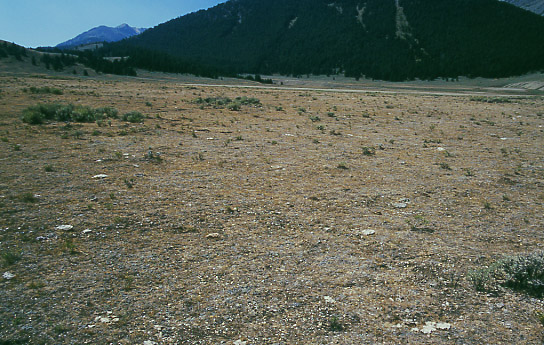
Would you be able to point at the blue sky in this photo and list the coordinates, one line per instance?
(33, 23)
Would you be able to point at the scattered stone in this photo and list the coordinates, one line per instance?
(433, 326)
(86, 231)
(64, 227)
(213, 235)
(277, 167)
(402, 203)
(100, 176)
(329, 299)
(440, 149)
(149, 342)
(107, 319)
(8, 275)
(367, 232)
(46, 237)
(240, 342)
(443, 325)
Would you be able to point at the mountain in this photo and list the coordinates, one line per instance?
(381, 39)
(102, 34)
(536, 6)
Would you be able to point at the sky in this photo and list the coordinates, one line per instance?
(35, 23)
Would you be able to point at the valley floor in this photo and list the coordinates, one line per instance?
(289, 216)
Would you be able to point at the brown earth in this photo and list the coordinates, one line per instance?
(250, 226)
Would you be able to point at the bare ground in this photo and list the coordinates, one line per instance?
(249, 229)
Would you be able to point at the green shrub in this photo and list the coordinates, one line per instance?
(234, 107)
(133, 117)
(10, 258)
(222, 102)
(28, 197)
(106, 112)
(41, 113)
(64, 113)
(38, 114)
(44, 90)
(369, 151)
(520, 272)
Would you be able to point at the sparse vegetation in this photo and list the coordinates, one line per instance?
(10, 258)
(367, 218)
(226, 102)
(445, 166)
(490, 99)
(43, 113)
(369, 151)
(28, 197)
(44, 90)
(335, 325)
(523, 272)
(133, 117)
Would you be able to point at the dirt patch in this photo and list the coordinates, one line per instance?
(309, 217)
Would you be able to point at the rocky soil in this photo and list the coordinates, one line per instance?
(308, 217)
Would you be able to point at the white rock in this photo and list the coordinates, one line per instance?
(429, 327)
(443, 325)
(100, 176)
(399, 205)
(367, 232)
(86, 231)
(8, 275)
(149, 342)
(440, 149)
(329, 299)
(65, 227)
(214, 235)
(433, 326)
(240, 342)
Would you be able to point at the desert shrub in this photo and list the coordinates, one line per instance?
(369, 151)
(44, 90)
(83, 114)
(10, 258)
(520, 272)
(234, 107)
(64, 113)
(41, 113)
(28, 197)
(133, 117)
(226, 102)
(490, 99)
(248, 101)
(106, 112)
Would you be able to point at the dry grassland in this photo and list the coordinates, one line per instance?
(249, 226)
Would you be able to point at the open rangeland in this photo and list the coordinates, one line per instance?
(239, 215)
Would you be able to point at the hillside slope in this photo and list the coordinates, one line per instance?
(384, 39)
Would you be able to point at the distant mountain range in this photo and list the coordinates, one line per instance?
(101, 34)
(381, 39)
(536, 6)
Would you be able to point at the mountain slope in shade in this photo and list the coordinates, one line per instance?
(536, 6)
(102, 34)
(382, 39)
